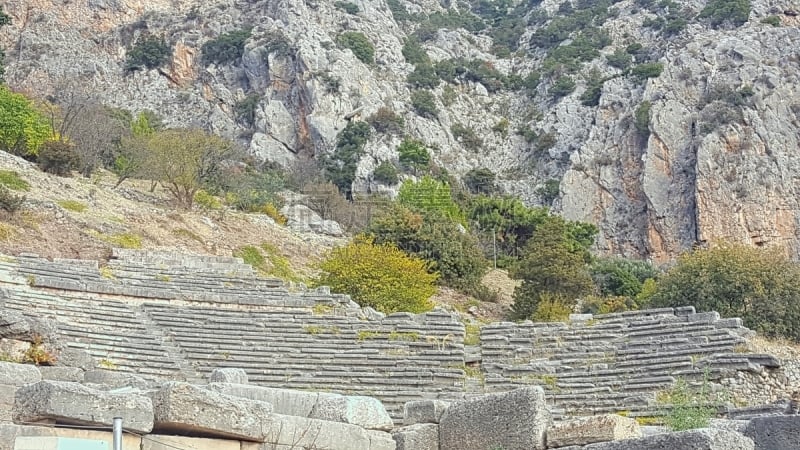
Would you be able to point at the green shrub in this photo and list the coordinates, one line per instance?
(508, 220)
(380, 276)
(359, 44)
(9, 201)
(501, 127)
(550, 265)
(594, 89)
(467, 137)
(206, 201)
(552, 308)
(23, 129)
(621, 277)
(775, 21)
(758, 285)
(642, 118)
(72, 205)
(149, 52)
(413, 154)
(276, 43)
(562, 86)
(340, 168)
(386, 121)
(721, 12)
(620, 59)
(12, 180)
(647, 70)
(423, 76)
(414, 53)
(348, 7)
(399, 12)
(57, 157)
(549, 191)
(430, 195)
(424, 103)
(432, 235)
(245, 109)
(332, 83)
(689, 408)
(545, 142)
(480, 181)
(226, 48)
(606, 305)
(385, 173)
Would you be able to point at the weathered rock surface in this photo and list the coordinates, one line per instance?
(513, 420)
(420, 436)
(72, 403)
(588, 430)
(366, 412)
(702, 439)
(183, 408)
(658, 194)
(423, 411)
(228, 375)
(774, 432)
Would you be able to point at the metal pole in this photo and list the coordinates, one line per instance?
(117, 429)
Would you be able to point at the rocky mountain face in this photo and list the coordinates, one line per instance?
(665, 124)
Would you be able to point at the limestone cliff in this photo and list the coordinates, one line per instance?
(713, 158)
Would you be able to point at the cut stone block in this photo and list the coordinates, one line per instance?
(109, 379)
(738, 426)
(10, 433)
(228, 375)
(283, 401)
(510, 420)
(702, 439)
(12, 374)
(302, 432)
(366, 412)
(774, 432)
(420, 436)
(56, 373)
(588, 430)
(162, 442)
(423, 411)
(380, 440)
(72, 403)
(181, 408)
(57, 443)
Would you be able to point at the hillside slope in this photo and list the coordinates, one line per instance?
(710, 154)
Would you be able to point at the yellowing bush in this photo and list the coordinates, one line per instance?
(380, 276)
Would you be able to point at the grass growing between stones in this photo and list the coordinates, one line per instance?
(472, 334)
(124, 240)
(363, 335)
(404, 336)
(12, 180)
(73, 205)
(268, 261)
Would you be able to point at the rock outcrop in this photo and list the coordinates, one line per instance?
(703, 165)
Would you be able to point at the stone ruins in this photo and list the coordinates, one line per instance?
(198, 352)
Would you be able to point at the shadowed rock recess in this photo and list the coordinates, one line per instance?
(202, 348)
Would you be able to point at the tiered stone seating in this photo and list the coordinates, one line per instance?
(110, 331)
(164, 276)
(180, 317)
(399, 358)
(614, 362)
